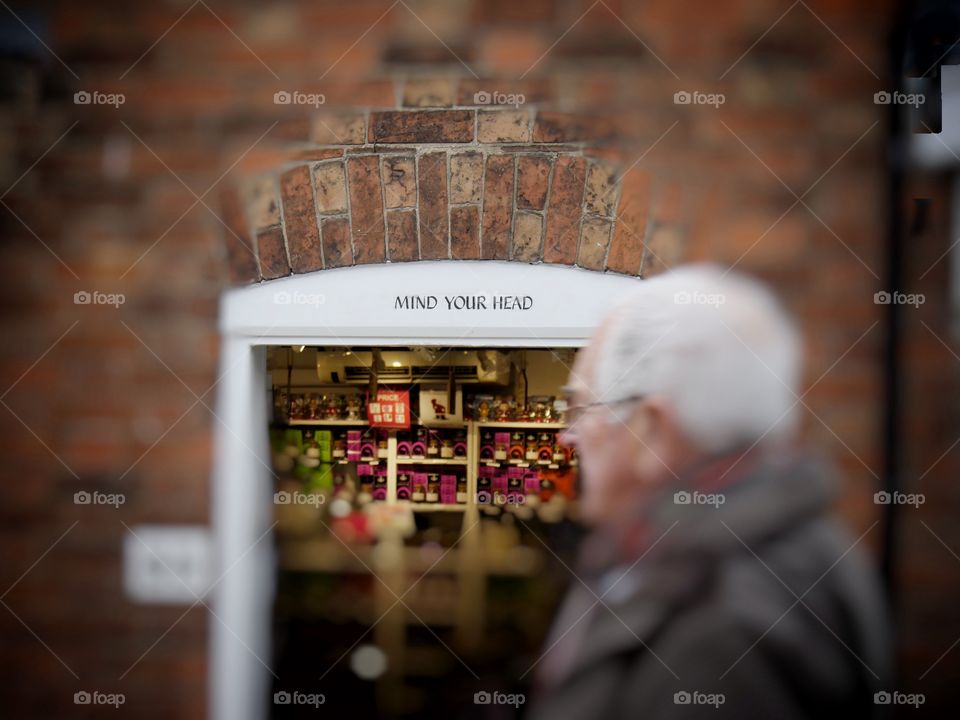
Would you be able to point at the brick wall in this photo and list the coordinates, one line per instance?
(438, 178)
(130, 200)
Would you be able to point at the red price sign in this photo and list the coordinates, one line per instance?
(390, 409)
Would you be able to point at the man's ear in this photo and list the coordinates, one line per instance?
(654, 427)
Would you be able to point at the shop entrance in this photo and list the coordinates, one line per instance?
(475, 353)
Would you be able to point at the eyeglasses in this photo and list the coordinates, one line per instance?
(575, 412)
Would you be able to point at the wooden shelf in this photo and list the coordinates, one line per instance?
(334, 423)
(431, 461)
(434, 507)
(523, 425)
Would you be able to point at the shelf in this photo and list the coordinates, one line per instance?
(523, 425)
(431, 461)
(433, 507)
(335, 423)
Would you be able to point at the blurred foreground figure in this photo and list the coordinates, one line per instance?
(714, 583)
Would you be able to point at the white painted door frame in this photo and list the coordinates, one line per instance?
(345, 306)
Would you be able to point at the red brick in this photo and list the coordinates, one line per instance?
(466, 177)
(338, 129)
(514, 12)
(495, 126)
(497, 208)
(330, 183)
(402, 235)
(308, 154)
(594, 242)
(600, 195)
(262, 201)
(273, 254)
(294, 129)
(563, 214)
(527, 237)
(556, 127)
(475, 91)
(241, 260)
(664, 249)
(465, 232)
(422, 126)
(429, 92)
(366, 209)
(399, 181)
(337, 250)
(533, 177)
(626, 248)
(300, 220)
(434, 228)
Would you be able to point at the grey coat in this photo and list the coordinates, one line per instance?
(759, 607)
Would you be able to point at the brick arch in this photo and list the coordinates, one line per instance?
(438, 180)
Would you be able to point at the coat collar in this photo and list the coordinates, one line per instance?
(675, 546)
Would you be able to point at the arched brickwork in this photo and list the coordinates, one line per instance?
(442, 177)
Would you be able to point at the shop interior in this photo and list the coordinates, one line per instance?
(426, 508)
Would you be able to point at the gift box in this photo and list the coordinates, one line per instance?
(531, 483)
(404, 488)
(353, 445)
(448, 489)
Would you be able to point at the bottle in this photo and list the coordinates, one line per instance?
(433, 488)
(419, 493)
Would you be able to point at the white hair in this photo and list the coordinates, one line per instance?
(716, 345)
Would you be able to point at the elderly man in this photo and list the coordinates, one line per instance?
(714, 583)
